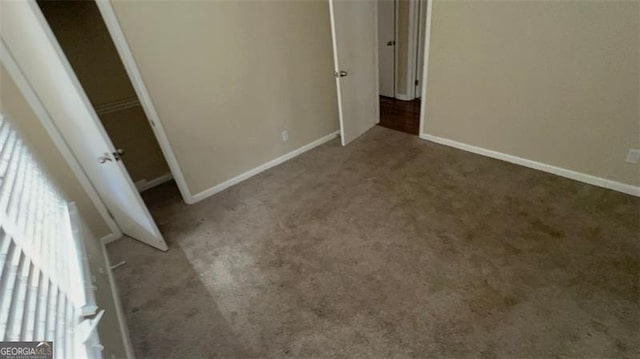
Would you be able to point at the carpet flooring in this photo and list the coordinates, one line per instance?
(392, 247)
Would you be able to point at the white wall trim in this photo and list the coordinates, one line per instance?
(403, 97)
(263, 167)
(124, 329)
(425, 71)
(120, 42)
(144, 184)
(563, 172)
(38, 108)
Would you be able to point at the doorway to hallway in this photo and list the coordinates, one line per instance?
(401, 37)
(400, 115)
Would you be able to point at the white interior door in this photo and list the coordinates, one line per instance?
(386, 47)
(354, 32)
(32, 45)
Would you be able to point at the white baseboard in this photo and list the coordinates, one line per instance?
(578, 176)
(109, 238)
(237, 179)
(144, 185)
(403, 97)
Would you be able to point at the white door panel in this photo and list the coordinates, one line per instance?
(33, 46)
(354, 33)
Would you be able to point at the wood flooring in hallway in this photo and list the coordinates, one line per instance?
(400, 115)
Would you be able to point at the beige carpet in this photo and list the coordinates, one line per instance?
(392, 247)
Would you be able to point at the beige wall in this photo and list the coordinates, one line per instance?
(25, 121)
(551, 81)
(226, 77)
(84, 38)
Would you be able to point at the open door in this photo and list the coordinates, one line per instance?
(30, 46)
(354, 31)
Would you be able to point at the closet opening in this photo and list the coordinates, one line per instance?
(85, 40)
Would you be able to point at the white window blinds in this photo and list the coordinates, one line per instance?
(43, 292)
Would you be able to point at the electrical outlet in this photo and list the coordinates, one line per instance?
(285, 136)
(633, 156)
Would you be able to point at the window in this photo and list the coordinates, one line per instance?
(45, 294)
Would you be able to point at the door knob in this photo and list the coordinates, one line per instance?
(342, 73)
(105, 158)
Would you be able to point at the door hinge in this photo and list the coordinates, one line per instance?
(417, 82)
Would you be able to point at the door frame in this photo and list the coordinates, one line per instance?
(425, 68)
(126, 56)
(413, 48)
